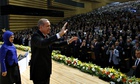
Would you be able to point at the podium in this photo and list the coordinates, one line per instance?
(23, 63)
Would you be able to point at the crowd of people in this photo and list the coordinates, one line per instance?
(110, 28)
(107, 36)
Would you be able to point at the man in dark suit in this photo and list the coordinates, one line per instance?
(76, 47)
(96, 47)
(41, 49)
(136, 66)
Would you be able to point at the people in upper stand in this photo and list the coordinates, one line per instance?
(10, 73)
(41, 48)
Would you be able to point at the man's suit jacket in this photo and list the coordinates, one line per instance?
(114, 56)
(41, 49)
(97, 49)
(137, 71)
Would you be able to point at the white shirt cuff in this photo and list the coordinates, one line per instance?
(58, 36)
(68, 42)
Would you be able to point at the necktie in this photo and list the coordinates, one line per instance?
(137, 62)
(46, 36)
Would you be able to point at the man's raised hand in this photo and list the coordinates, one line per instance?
(63, 30)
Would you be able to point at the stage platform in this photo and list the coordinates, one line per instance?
(63, 74)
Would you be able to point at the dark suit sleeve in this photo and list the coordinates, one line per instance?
(40, 42)
(137, 74)
(59, 44)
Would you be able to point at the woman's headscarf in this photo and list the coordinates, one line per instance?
(6, 37)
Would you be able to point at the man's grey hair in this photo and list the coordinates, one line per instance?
(41, 22)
